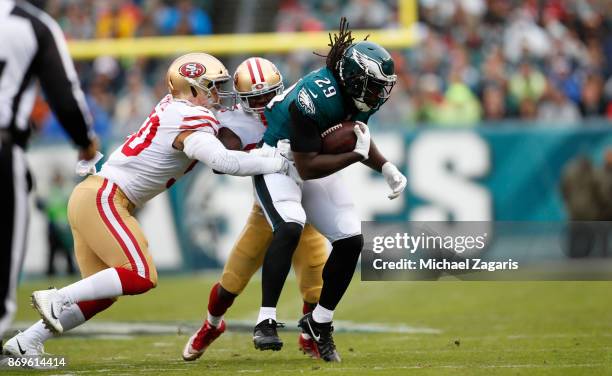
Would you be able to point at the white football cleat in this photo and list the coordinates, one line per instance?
(50, 304)
(21, 346)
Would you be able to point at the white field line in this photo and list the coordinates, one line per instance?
(582, 349)
(358, 370)
(559, 335)
(539, 336)
(121, 328)
(453, 366)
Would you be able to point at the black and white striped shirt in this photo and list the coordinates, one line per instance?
(32, 46)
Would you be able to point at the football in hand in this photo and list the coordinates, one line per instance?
(339, 139)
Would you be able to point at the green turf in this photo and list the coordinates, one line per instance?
(488, 328)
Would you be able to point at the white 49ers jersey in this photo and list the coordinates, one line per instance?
(248, 127)
(147, 164)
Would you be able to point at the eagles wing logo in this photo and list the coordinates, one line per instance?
(370, 65)
(306, 102)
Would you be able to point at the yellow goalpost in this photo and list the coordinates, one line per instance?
(232, 44)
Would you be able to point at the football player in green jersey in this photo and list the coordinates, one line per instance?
(355, 82)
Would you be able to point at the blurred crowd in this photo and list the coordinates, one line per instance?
(121, 92)
(86, 19)
(476, 61)
(546, 61)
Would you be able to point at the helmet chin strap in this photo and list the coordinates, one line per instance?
(361, 106)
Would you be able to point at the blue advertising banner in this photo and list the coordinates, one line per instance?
(496, 173)
(501, 173)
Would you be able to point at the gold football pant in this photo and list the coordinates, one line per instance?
(248, 253)
(105, 232)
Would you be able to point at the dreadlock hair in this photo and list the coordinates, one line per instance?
(338, 44)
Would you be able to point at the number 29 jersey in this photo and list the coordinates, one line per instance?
(318, 97)
(147, 164)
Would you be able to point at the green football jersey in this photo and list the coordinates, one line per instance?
(318, 97)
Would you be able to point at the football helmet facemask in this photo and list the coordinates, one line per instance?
(256, 82)
(197, 74)
(367, 73)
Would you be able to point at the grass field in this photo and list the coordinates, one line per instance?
(478, 328)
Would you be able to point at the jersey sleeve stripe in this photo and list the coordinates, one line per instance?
(202, 125)
(201, 117)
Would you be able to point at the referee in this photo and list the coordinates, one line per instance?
(32, 47)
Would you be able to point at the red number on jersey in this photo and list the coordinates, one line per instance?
(143, 138)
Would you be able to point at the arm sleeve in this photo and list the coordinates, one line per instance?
(60, 83)
(304, 133)
(206, 148)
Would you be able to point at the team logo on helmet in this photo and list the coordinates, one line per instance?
(371, 66)
(192, 70)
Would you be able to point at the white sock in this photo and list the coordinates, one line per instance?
(38, 332)
(266, 313)
(104, 284)
(322, 315)
(214, 320)
(70, 318)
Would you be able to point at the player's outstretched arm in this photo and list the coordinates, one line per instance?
(206, 148)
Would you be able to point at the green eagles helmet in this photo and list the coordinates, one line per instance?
(367, 73)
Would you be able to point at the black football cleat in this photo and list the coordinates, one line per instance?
(322, 334)
(265, 336)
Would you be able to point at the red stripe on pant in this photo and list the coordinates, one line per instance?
(109, 224)
(143, 260)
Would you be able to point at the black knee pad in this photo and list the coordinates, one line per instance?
(288, 232)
